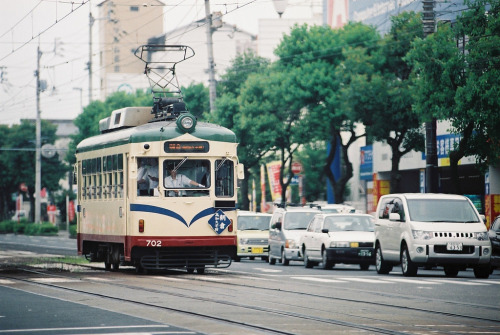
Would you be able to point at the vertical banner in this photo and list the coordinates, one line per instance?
(254, 197)
(264, 207)
(273, 171)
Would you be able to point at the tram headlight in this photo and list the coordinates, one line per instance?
(186, 122)
(141, 225)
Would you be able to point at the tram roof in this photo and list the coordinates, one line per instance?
(153, 132)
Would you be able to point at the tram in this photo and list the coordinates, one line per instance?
(157, 188)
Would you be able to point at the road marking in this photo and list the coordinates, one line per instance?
(318, 279)
(6, 282)
(458, 282)
(169, 278)
(55, 280)
(268, 270)
(411, 281)
(365, 280)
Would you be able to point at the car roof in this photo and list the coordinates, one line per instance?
(344, 214)
(427, 196)
(250, 213)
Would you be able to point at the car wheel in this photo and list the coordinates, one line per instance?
(272, 261)
(450, 271)
(307, 263)
(326, 264)
(237, 259)
(200, 270)
(190, 270)
(482, 271)
(382, 266)
(407, 266)
(284, 260)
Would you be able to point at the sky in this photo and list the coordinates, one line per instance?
(60, 29)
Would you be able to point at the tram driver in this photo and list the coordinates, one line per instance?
(177, 180)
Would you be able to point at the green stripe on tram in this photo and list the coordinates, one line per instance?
(154, 132)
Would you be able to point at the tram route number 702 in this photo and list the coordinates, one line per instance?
(153, 243)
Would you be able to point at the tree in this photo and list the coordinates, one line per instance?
(463, 87)
(197, 99)
(379, 92)
(316, 53)
(252, 145)
(18, 161)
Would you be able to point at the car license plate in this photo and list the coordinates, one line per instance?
(364, 253)
(454, 246)
(257, 250)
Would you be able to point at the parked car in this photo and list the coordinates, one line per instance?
(494, 235)
(339, 238)
(253, 235)
(286, 227)
(430, 230)
(338, 208)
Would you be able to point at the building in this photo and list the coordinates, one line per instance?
(124, 26)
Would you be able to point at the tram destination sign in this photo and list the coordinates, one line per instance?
(178, 146)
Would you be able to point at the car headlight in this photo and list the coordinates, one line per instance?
(292, 244)
(421, 235)
(482, 236)
(336, 244)
(243, 240)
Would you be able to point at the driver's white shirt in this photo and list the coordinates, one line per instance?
(179, 182)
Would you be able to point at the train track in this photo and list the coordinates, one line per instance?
(290, 310)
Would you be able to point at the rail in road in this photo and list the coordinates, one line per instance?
(227, 302)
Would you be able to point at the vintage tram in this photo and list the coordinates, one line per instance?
(157, 188)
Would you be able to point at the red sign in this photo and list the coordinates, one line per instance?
(296, 167)
(71, 210)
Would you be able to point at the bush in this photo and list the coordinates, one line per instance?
(10, 226)
(72, 231)
(45, 228)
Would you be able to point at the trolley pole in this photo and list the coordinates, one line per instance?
(431, 167)
(211, 63)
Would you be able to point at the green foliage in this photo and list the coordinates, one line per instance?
(17, 164)
(44, 228)
(196, 97)
(10, 226)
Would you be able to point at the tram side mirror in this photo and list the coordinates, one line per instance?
(240, 170)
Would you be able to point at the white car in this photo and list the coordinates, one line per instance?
(430, 230)
(333, 238)
(338, 208)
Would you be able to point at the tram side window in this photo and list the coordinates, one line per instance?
(186, 177)
(147, 176)
(224, 178)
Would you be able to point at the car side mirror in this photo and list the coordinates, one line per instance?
(394, 217)
(324, 230)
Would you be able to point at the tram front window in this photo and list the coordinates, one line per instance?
(186, 177)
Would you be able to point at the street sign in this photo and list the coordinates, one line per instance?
(296, 167)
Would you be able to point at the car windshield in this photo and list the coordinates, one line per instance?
(255, 222)
(348, 223)
(442, 210)
(298, 220)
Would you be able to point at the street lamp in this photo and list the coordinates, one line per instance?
(280, 6)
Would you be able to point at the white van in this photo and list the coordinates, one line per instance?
(287, 225)
(430, 230)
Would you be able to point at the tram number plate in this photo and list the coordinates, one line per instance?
(454, 246)
(257, 250)
(364, 253)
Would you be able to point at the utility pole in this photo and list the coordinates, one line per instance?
(91, 23)
(431, 167)
(38, 163)
(211, 63)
